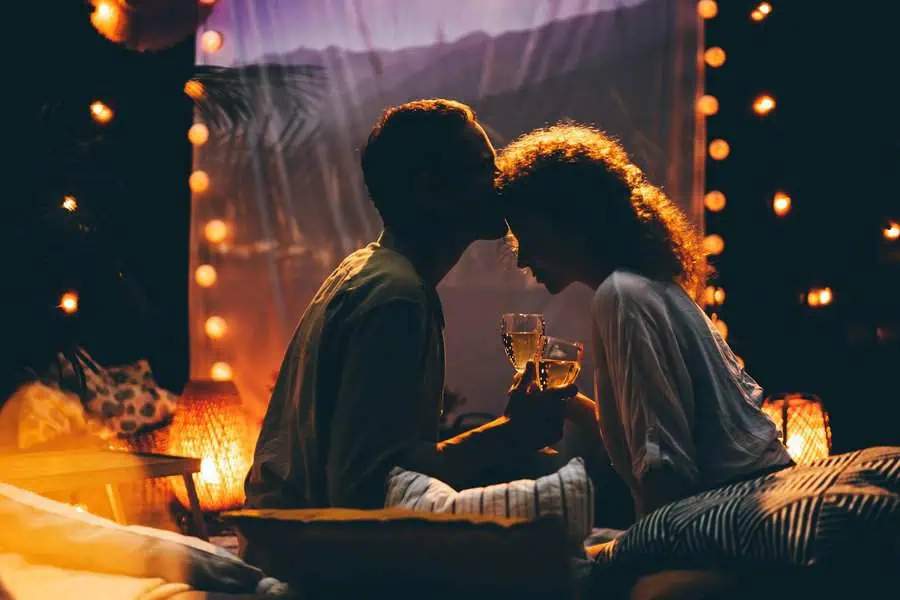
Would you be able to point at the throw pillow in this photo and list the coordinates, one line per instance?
(567, 494)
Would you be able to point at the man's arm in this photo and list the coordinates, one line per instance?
(379, 414)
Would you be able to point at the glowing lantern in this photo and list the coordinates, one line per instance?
(892, 231)
(70, 203)
(781, 204)
(211, 41)
(714, 57)
(148, 25)
(198, 134)
(713, 244)
(220, 371)
(707, 105)
(719, 149)
(198, 182)
(803, 425)
(205, 276)
(714, 201)
(211, 425)
(68, 303)
(216, 327)
(101, 113)
(707, 9)
(215, 231)
(763, 105)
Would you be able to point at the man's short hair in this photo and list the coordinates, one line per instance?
(422, 136)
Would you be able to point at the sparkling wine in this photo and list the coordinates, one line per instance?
(554, 373)
(522, 347)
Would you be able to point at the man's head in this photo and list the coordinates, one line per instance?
(429, 168)
(578, 209)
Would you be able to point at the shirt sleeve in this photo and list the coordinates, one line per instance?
(650, 383)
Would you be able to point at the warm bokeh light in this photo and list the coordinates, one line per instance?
(194, 89)
(803, 425)
(721, 327)
(198, 181)
(713, 244)
(765, 8)
(215, 231)
(208, 2)
(707, 105)
(100, 112)
(68, 302)
(719, 149)
(714, 57)
(781, 204)
(819, 297)
(220, 371)
(714, 296)
(205, 276)
(70, 203)
(198, 134)
(215, 327)
(763, 105)
(707, 9)
(740, 361)
(891, 231)
(211, 41)
(109, 20)
(714, 201)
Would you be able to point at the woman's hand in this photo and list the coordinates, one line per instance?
(582, 411)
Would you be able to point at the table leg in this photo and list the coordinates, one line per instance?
(115, 503)
(199, 522)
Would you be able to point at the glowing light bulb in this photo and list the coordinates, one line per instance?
(216, 327)
(794, 444)
(763, 105)
(891, 231)
(198, 182)
(714, 201)
(765, 8)
(713, 244)
(69, 203)
(211, 41)
(714, 57)
(220, 371)
(713, 295)
(194, 89)
(707, 105)
(825, 296)
(208, 471)
(215, 231)
(205, 276)
(819, 297)
(781, 204)
(707, 9)
(198, 134)
(68, 302)
(100, 112)
(719, 149)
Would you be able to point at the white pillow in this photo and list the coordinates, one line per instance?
(568, 494)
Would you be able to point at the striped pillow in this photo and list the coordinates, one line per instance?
(568, 493)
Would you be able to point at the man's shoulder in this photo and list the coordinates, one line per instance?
(376, 275)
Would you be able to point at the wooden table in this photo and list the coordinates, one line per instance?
(62, 470)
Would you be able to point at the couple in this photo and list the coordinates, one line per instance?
(360, 389)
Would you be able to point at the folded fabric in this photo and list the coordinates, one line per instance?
(567, 494)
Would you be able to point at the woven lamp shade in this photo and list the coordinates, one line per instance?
(803, 424)
(211, 425)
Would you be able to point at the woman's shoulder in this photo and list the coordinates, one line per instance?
(624, 287)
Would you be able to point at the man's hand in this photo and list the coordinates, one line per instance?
(539, 414)
(582, 411)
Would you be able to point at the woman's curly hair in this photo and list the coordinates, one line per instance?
(577, 176)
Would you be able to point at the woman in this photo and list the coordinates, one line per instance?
(675, 413)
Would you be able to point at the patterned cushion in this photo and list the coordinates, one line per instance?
(568, 494)
(846, 507)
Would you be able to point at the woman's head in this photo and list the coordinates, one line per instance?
(579, 209)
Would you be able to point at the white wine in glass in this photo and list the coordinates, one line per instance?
(523, 337)
(560, 363)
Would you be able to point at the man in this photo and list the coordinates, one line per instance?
(361, 385)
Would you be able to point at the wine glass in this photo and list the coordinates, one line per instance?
(559, 363)
(523, 336)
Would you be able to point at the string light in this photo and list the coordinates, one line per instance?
(763, 10)
(720, 325)
(714, 201)
(713, 244)
(707, 9)
(100, 112)
(781, 204)
(205, 276)
(211, 41)
(713, 295)
(707, 105)
(714, 57)
(198, 134)
(892, 231)
(198, 181)
(68, 302)
(216, 327)
(817, 297)
(719, 149)
(194, 89)
(220, 371)
(215, 231)
(763, 104)
(69, 203)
